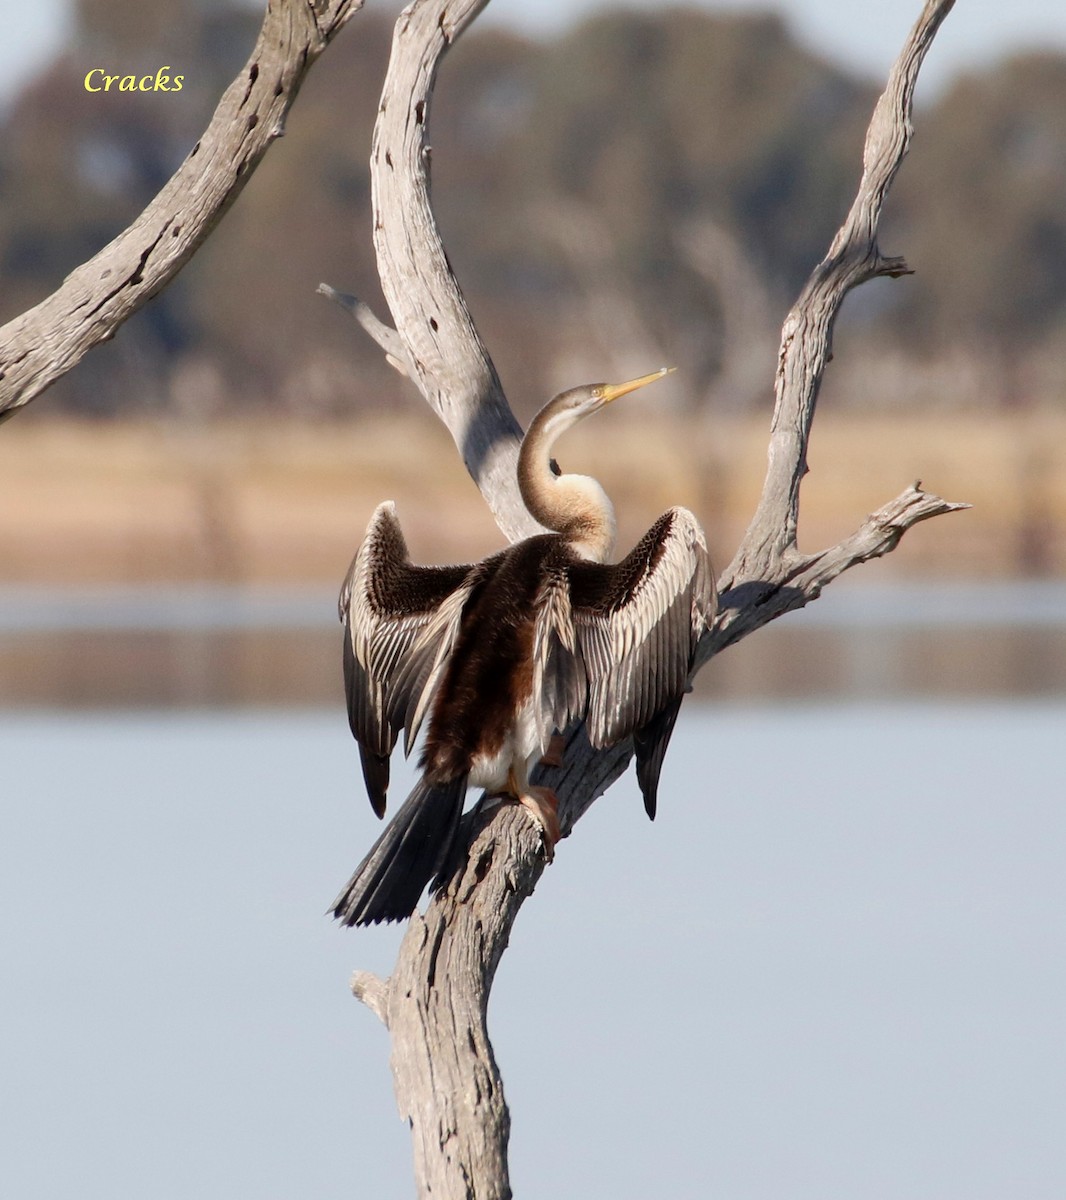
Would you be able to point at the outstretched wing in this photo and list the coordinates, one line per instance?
(630, 641)
(399, 622)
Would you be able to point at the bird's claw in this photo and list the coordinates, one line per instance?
(543, 803)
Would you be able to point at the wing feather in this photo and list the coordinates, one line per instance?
(636, 627)
(399, 621)
(560, 676)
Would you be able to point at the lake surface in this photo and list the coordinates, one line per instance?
(832, 968)
(196, 646)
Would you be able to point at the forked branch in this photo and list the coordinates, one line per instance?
(769, 546)
(435, 1002)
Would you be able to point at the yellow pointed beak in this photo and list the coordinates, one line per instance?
(611, 391)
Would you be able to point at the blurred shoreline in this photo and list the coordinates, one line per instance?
(284, 503)
(190, 646)
(156, 564)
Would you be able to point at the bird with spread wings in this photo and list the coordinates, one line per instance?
(497, 658)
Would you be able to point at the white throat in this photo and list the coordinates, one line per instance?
(590, 523)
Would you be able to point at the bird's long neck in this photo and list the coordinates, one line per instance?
(572, 505)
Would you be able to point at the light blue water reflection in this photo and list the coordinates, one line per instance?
(832, 968)
(1014, 603)
(181, 647)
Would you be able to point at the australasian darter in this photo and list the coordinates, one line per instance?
(496, 657)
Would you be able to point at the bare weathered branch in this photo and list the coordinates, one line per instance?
(385, 336)
(42, 344)
(447, 1084)
(452, 368)
(878, 535)
(806, 339)
(446, 1079)
(747, 605)
(374, 993)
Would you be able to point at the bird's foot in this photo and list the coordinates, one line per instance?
(553, 755)
(543, 803)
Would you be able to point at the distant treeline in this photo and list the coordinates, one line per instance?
(646, 188)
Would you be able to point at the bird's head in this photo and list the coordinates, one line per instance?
(575, 505)
(580, 402)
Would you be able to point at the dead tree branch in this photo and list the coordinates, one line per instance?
(769, 546)
(434, 1004)
(42, 344)
(385, 336)
(452, 369)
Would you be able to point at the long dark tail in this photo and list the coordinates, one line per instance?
(387, 884)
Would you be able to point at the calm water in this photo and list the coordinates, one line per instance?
(832, 968)
(188, 647)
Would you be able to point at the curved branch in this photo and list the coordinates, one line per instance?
(385, 336)
(373, 991)
(451, 366)
(806, 338)
(435, 1002)
(42, 344)
(747, 605)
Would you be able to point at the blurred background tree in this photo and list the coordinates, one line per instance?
(596, 192)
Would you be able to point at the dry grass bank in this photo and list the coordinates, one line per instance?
(284, 502)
